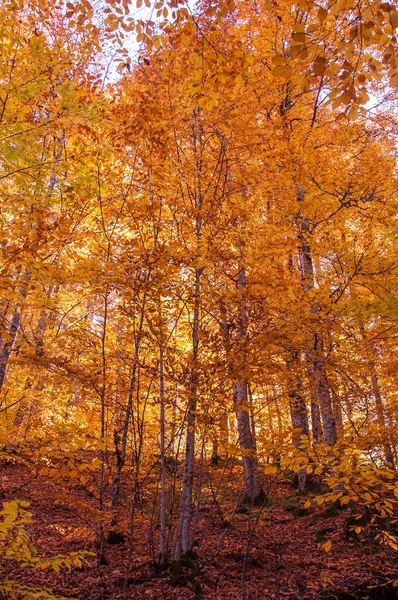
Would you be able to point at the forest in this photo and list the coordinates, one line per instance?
(198, 300)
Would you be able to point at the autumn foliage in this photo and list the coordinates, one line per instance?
(198, 299)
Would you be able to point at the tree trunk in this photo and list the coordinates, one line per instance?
(316, 426)
(121, 452)
(315, 356)
(298, 410)
(252, 418)
(254, 491)
(6, 351)
(214, 453)
(163, 533)
(183, 538)
(317, 372)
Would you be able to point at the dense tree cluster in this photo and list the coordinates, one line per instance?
(199, 260)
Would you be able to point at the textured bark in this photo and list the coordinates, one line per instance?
(335, 386)
(254, 491)
(252, 418)
(6, 351)
(298, 412)
(298, 409)
(317, 372)
(316, 362)
(183, 538)
(12, 334)
(316, 425)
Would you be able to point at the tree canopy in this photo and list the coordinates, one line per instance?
(198, 307)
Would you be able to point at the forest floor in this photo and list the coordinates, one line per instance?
(276, 552)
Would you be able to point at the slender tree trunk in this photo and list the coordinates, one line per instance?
(252, 418)
(278, 411)
(7, 348)
(272, 432)
(101, 534)
(214, 453)
(198, 493)
(254, 491)
(298, 410)
(315, 356)
(316, 426)
(173, 424)
(183, 539)
(317, 372)
(122, 451)
(163, 532)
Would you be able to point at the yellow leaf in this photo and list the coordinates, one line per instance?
(282, 71)
(353, 113)
(394, 18)
(394, 80)
(270, 470)
(298, 38)
(327, 545)
(303, 82)
(278, 60)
